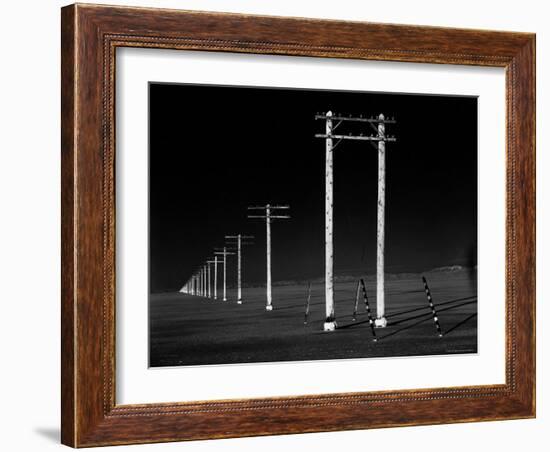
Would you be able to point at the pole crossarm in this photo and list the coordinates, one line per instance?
(355, 137)
(269, 206)
(270, 216)
(337, 117)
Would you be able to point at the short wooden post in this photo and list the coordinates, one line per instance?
(432, 307)
(371, 321)
(356, 305)
(308, 299)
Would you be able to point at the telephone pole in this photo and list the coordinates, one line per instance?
(215, 262)
(204, 280)
(269, 217)
(379, 126)
(238, 241)
(209, 292)
(380, 229)
(224, 252)
(199, 282)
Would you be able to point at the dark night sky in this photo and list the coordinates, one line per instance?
(215, 150)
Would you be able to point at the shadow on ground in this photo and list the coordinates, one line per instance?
(191, 330)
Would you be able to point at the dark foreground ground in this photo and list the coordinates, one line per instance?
(190, 330)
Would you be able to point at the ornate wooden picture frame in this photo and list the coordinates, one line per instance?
(90, 37)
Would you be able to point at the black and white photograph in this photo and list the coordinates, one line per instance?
(298, 225)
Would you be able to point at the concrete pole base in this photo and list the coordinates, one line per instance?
(381, 322)
(329, 326)
(239, 301)
(269, 307)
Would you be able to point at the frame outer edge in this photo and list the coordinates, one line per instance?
(68, 242)
(525, 62)
(86, 419)
(534, 225)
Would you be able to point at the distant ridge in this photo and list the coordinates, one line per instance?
(448, 268)
(355, 275)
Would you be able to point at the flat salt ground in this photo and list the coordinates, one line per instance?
(190, 330)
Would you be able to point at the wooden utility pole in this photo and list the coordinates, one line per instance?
(216, 277)
(378, 124)
(269, 217)
(380, 301)
(204, 280)
(198, 277)
(224, 252)
(198, 281)
(215, 262)
(236, 240)
(209, 279)
(330, 321)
